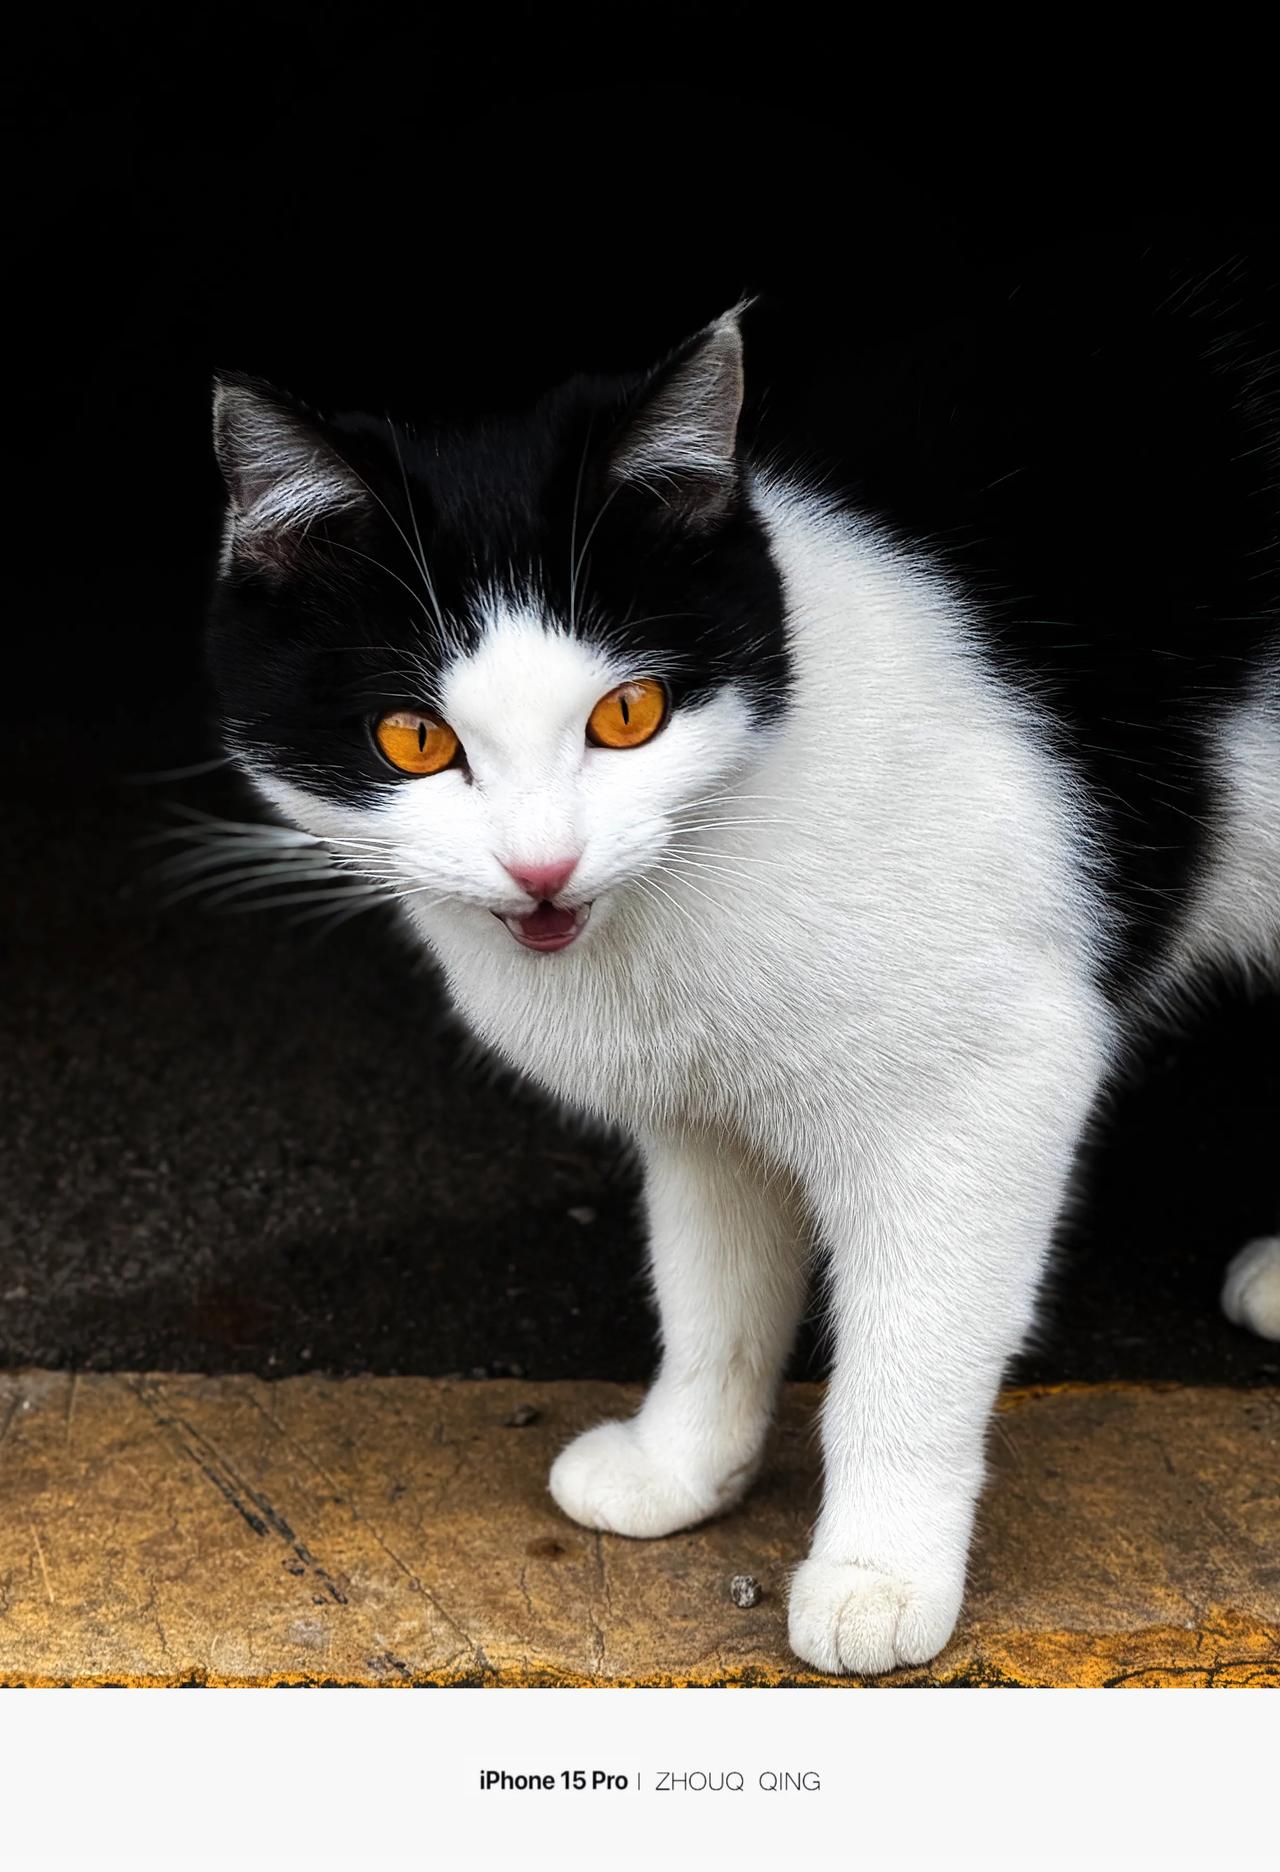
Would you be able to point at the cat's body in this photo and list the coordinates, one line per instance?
(849, 946)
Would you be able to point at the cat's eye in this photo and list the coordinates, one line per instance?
(629, 715)
(416, 743)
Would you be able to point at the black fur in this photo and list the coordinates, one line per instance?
(312, 640)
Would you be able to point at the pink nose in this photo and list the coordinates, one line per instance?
(542, 880)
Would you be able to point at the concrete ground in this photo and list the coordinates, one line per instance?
(159, 1530)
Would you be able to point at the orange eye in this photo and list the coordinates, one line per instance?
(629, 715)
(416, 744)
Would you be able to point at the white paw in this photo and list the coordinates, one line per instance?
(607, 1479)
(1251, 1290)
(848, 1617)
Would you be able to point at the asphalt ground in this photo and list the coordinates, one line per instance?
(229, 1145)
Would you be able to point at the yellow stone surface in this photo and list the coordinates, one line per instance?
(162, 1529)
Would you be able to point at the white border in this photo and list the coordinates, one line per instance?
(906, 1778)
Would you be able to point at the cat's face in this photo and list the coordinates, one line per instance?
(501, 672)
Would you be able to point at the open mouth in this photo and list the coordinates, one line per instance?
(547, 927)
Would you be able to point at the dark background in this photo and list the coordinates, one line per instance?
(227, 1145)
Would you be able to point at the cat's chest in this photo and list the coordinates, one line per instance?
(619, 1036)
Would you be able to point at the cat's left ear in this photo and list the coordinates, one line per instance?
(282, 474)
(680, 442)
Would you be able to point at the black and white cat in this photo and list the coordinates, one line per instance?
(835, 848)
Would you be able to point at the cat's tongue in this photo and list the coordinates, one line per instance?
(546, 927)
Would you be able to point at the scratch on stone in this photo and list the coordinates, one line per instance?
(597, 1630)
(418, 1585)
(233, 1487)
(43, 1565)
(71, 1405)
(14, 1401)
(1232, 1565)
(999, 1430)
(1158, 1444)
(137, 1474)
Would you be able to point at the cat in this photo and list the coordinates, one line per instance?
(836, 845)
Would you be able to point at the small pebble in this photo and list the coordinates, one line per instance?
(582, 1215)
(744, 1591)
(522, 1414)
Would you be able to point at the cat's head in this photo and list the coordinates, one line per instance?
(500, 668)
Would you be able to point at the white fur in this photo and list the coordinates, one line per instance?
(687, 429)
(838, 981)
(283, 479)
(1233, 918)
(1251, 1291)
(729, 1273)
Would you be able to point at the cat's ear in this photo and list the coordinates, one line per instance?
(282, 475)
(680, 441)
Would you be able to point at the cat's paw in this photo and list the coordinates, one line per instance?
(1251, 1290)
(607, 1479)
(849, 1617)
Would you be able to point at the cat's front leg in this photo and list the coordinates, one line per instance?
(937, 1226)
(729, 1273)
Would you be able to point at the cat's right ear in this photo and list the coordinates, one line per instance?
(680, 442)
(282, 475)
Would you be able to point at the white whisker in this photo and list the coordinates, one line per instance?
(344, 894)
(221, 894)
(651, 879)
(709, 851)
(330, 919)
(648, 884)
(404, 586)
(413, 519)
(179, 773)
(573, 535)
(690, 885)
(256, 877)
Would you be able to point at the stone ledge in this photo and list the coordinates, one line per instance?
(169, 1529)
